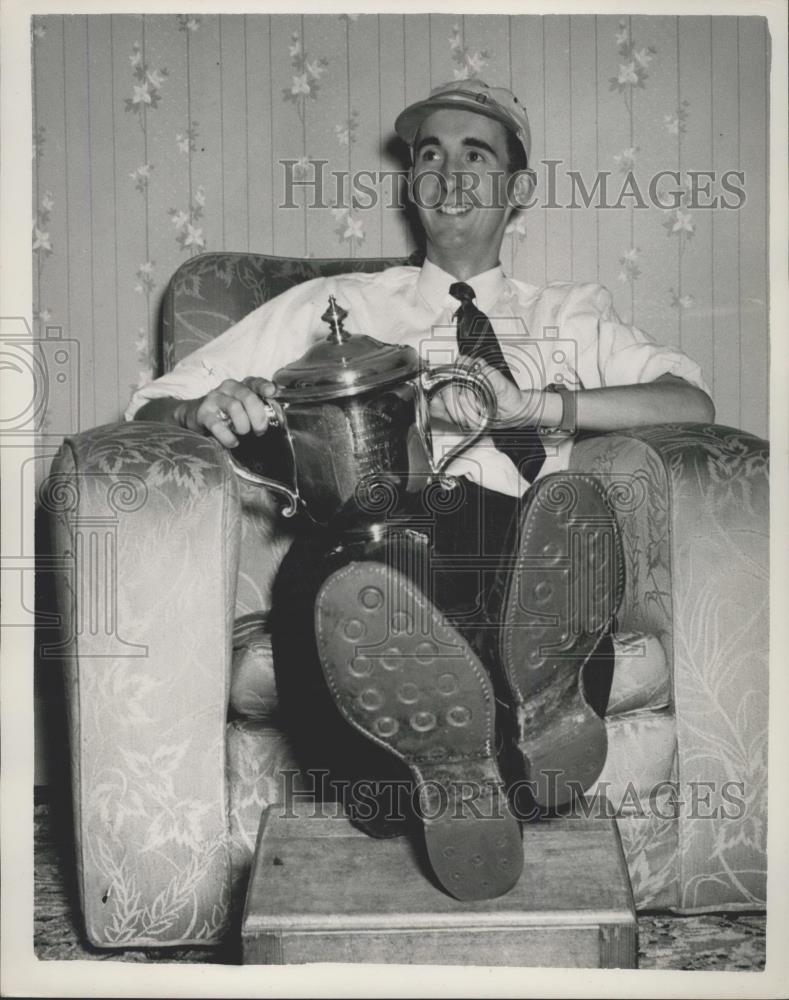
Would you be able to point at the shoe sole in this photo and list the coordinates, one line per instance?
(410, 683)
(562, 595)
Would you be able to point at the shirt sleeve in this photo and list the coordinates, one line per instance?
(275, 333)
(628, 356)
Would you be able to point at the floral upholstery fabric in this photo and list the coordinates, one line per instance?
(261, 770)
(174, 742)
(650, 843)
(210, 292)
(641, 675)
(253, 689)
(641, 751)
(146, 524)
(692, 505)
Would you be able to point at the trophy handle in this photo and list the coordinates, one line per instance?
(276, 418)
(437, 379)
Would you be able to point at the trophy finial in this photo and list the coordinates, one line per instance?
(334, 316)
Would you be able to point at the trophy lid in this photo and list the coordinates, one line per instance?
(344, 364)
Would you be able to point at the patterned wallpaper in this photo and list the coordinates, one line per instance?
(157, 137)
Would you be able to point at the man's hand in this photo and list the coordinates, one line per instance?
(667, 399)
(514, 407)
(230, 411)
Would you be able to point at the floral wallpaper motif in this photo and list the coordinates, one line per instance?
(346, 133)
(305, 82)
(188, 235)
(631, 76)
(168, 131)
(633, 65)
(348, 229)
(679, 222)
(676, 121)
(141, 175)
(516, 228)
(186, 141)
(470, 62)
(39, 138)
(629, 261)
(188, 22)
(147, 87)
(42, 241)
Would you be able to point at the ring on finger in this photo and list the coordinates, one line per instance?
(223, 415)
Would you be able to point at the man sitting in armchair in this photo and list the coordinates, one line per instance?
(486, 699)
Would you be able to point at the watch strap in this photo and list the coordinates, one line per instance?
(567, 424)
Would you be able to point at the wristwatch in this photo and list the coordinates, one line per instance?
(569, 403)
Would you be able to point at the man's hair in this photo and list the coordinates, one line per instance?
(516, 154)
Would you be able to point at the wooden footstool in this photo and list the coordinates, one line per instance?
(323, 891)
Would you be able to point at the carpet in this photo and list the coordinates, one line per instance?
(711, 942)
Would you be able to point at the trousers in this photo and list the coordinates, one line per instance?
(456, 545)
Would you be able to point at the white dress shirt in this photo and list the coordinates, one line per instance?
(563, 332)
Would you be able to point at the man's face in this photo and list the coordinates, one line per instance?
(459, 176)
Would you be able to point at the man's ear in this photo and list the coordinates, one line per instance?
(520, 188)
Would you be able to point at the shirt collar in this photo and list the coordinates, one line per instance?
(433, 286)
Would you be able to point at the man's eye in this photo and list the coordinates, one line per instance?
(475, 156)
(429, 154)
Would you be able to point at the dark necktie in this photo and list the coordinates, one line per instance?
(477, 339)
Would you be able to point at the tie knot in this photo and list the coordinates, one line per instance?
(462, 292)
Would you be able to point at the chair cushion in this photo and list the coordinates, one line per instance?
(640, 682)
(253, 691)
(641, 753)
(641, 675)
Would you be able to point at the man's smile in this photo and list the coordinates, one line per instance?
(454, 209)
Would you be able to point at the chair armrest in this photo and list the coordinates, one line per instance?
(145, 526)
(692, 504)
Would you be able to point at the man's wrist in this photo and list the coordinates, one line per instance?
(565, 420)
(166, 410)
(537, 409)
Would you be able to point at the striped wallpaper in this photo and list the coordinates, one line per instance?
(160, 136)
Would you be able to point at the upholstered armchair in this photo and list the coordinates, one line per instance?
(176, 743)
